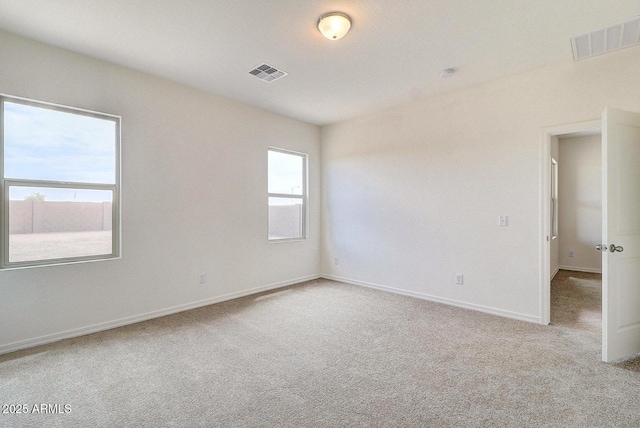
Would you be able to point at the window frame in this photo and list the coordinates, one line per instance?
(554, 198)
(6, 183)
(303, 197)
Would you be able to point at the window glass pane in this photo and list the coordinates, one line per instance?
(286, 173)
(45, 144)
(54, 223)
(285, 218)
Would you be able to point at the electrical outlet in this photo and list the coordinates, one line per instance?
(571, 253)
(203, 278)
(336, 261)
(459, 279)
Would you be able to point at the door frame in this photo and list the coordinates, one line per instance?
(545, 206)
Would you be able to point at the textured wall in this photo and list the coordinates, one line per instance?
(413, 193)
(580, 205)
(194, 199)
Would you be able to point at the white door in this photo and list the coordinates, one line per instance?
(621, 233)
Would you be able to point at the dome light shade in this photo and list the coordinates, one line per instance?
(334, 25)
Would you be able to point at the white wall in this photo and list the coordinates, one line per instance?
(180, 148)
(580, 203)
(412, 194)
(554, 262)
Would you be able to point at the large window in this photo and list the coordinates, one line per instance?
(287, 194)
(60, 172)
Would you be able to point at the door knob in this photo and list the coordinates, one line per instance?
(601, 247)
(613, 248)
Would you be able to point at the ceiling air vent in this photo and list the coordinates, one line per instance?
(267, 73)
(618, 36)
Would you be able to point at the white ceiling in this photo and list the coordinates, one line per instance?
(392, 55)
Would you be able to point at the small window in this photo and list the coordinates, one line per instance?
(554, 199)
(287, 190)
(60, 187)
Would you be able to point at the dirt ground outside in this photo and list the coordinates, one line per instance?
(46, 246)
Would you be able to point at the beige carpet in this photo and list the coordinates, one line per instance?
(576, 301)
(325, 354)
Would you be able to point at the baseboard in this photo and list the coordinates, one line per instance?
(580, 269)
(553, 275)
(95, 328)
(451, 302)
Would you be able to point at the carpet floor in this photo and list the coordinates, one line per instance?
(326, 354)
(576, 301)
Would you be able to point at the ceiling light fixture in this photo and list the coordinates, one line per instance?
(334, 25)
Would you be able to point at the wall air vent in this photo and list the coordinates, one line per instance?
(267, 73)
(618, 36)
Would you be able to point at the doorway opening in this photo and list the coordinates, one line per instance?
(618, 244)
(571, 219)
(576, 227)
